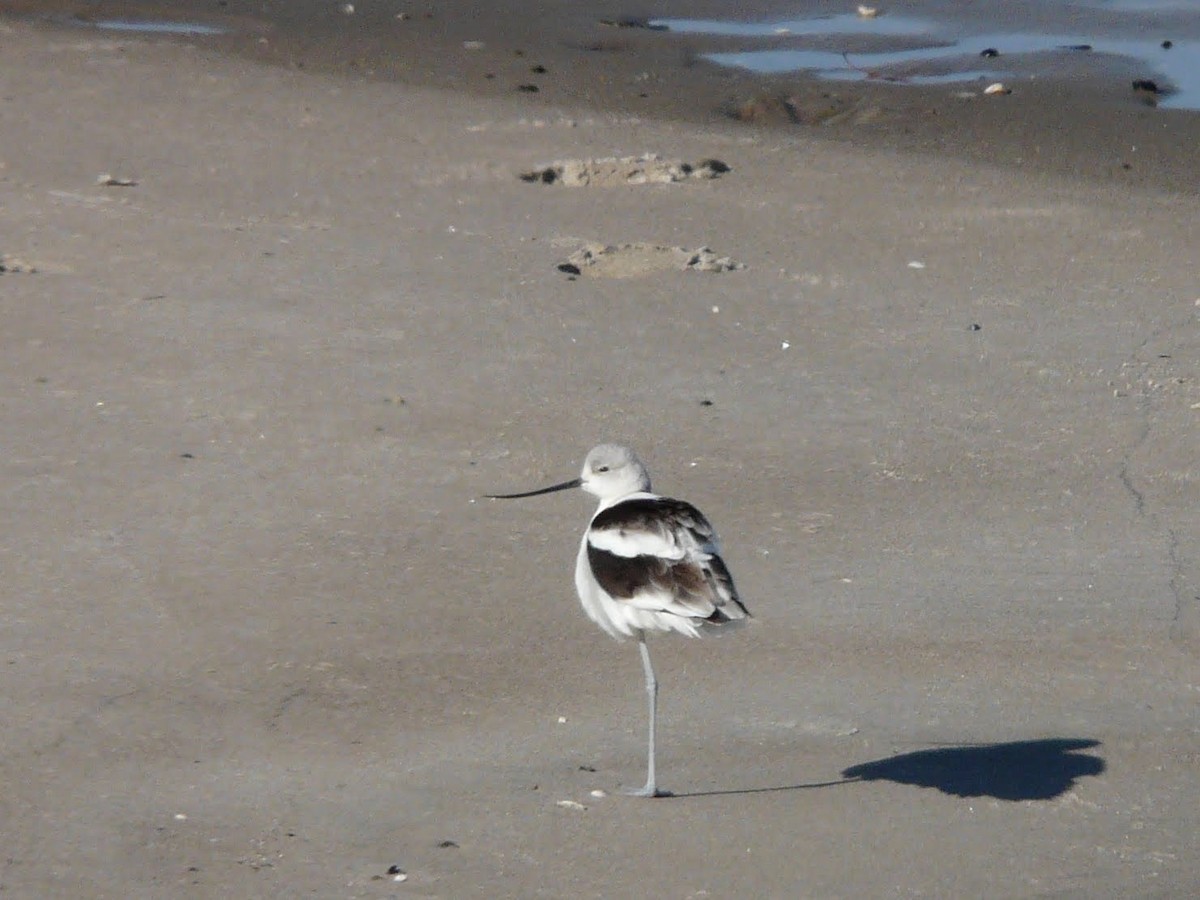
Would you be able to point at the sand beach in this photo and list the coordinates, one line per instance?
(273, 324)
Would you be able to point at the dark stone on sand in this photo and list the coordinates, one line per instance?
(395, 870)
(1167, 45)
(706, 403)
(974, 326)
(569, 268)
(446, 845)
(547, 175)
(989, 53)
(1148, 91)
(528, 88)
(539, 70)
(1080, 47)
(714, 165)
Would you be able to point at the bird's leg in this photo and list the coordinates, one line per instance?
(651, 788)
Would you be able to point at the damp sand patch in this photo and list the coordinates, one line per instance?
(614, 170)
(634, 260)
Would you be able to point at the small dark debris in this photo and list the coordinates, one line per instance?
(1080, 47)
(714, 165)
(686, 168)
(187, 456)
(42, 379)
(396, 870)
(587, 768)
(539, 70)
(569, 269)
(193, 868)
(1167, 45)
(706, 403)
(445, 845)
(632, 22)
(490, 76)
(975, 326)
(1147, 91)
(1126, 166)
(643, 95)
(528, 88)
(989, 53)
(518, 53)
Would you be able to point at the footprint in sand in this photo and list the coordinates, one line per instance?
(632, 260)
(15, 264)
(650, 169)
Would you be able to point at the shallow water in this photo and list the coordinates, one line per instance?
(153, 27)
(948, 55)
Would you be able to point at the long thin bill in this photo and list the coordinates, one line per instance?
(573, 483)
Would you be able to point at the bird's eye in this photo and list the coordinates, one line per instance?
(601, 468)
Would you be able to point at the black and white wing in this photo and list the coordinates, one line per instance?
(662, 555)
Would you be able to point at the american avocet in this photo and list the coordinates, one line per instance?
(646, 564)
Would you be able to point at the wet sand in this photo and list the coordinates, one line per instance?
(262, 638)
(1077, 116)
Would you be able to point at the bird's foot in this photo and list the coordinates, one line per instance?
(648, 790)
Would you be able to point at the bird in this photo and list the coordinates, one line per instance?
(647, 564)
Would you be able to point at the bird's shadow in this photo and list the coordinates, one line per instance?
(1021, 770)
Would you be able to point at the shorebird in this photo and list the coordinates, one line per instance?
(646, 564)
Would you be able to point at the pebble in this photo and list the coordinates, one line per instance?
(570, 804)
